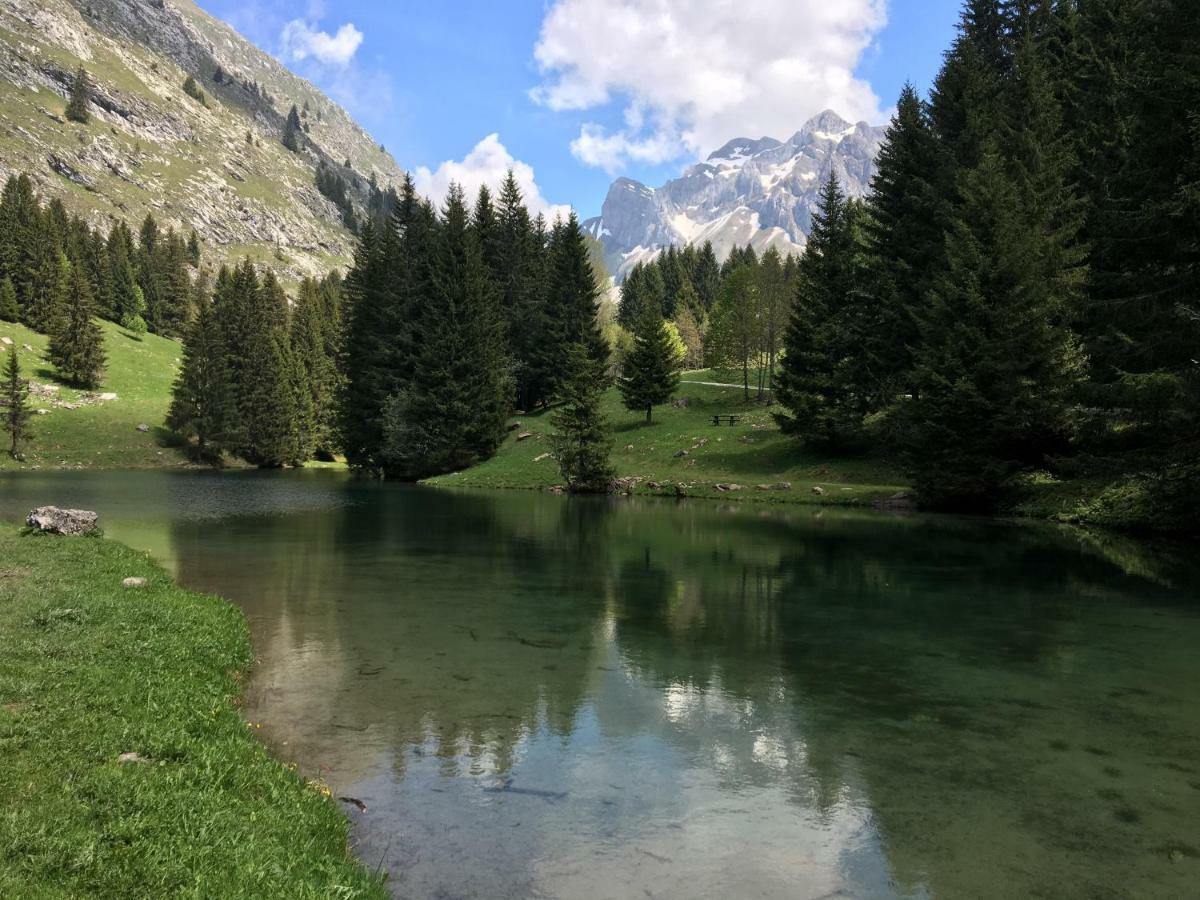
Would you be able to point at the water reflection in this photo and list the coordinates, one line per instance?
(539, 697)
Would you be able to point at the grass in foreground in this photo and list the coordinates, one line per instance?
(91, 671)
(102, 435)
(750, 454)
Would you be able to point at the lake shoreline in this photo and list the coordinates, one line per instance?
(133, 694)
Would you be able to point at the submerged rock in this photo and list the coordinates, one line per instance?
(69, 522)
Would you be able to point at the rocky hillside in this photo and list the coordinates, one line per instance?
(761, 192)
(216, 165)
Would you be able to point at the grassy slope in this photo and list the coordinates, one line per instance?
(105, 435)
(92, 670)
(752, 453)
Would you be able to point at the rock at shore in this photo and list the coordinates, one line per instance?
(69, 522)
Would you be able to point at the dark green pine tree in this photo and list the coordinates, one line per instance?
(386, 290)
(273, 419)
(202, 403)
(10, 311)
(128, 303)
(707, 277)
(818, 384)
(21, 240)
(905, 226)
(574, 296)
(650, 374)
(518, 272)
(452, 413)
(77, 348)
(79, 98)
(582, 440)
(46, 303)
(293, 130)
(15, 413)
(995, 367)
(193, 249)
(312, 349)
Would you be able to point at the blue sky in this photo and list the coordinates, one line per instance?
(578, 91)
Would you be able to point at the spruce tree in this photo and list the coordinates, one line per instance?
(707, 277)
(904, 230)
(15, 413)
(819, 384)
(46, 302)
(650, 375)
(451, 415)
(9, 310)
(80, 98)
(293, 131)
(574, 296)
(202, 404)
(995, 367)
(582, 441)
(311, 347)
(77, 349)
(193, 249)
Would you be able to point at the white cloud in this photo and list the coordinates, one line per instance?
(487, 164)
(697, 73)
(301, 41)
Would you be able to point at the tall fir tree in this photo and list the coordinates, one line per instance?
(47, 301)
(650, 374)
(293, 130)
(574, 296)
(904, 230)
(312, 349)
(77, 349)
(821, 385)
(15, 412)
(202, 402)
(79, 98)
(582, 440)
(451, 414)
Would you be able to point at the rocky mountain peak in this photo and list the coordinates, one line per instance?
(760, 192)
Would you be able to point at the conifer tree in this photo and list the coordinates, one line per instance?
(451, 414)
(202, 403)
(193, 249)
(77, 349)
(293, 131)
(80, 98)
(46, 303)
(995, 367)
(15, 413)
(582, 441)
(574, 296)
(272, 419)
(9, 310)
(707, 277)
(311, 347)
(819, 385)
(651, 372)
(905, 223)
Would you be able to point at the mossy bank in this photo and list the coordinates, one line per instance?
(128, 770)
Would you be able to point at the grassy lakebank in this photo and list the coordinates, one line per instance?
(100, 434)
(752, 455)
(91, 671)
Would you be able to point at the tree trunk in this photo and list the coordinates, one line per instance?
(649, 410)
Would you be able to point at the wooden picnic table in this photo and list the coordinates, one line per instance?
(726, 418)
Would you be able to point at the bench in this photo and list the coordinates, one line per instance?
(726, 419)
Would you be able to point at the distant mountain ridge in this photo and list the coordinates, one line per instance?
(151, 148)
(762, 192)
